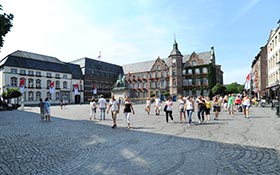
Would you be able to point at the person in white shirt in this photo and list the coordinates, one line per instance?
(169, 108)
(181, 107)
(102, 107)
(114, 105)
(157, 105)
(148, 106)
(190, 109)
(92, 106)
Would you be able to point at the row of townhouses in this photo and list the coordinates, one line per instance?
(80, 80)
(265, 68)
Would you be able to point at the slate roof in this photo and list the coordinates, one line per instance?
(22, 59)
(147, 65)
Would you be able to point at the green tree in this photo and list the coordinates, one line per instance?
(234, 88)
(11, 93)
(5, 25)
(218, 89)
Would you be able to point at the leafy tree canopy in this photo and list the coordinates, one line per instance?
(218, 89)
(5, 25)
(234, 88)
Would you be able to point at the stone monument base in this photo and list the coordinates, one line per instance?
(120, 92)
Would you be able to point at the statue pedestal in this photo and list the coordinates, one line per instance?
(121, 92)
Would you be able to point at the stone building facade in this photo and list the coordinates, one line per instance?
(99, 77)
(178, 74)
(38, 71)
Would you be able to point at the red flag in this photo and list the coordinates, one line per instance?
(52, 89)
(76, 88)
(21, 82)
(21, 85)
(247, 82)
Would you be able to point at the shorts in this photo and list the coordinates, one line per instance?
(181, 110)
(217, 109)
(207, 111)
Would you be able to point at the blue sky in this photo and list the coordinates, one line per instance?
(128, 31)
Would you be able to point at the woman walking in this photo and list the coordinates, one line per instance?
(207, 108)
(47, 109)
(115, 107)
(148, 106)
(127, 110)
(217, 107)
(181, 107)
(169, 108)
(201, 109)
(190, 109)
(246, 103)
(92, 108)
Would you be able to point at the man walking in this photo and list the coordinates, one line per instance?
(102, 107)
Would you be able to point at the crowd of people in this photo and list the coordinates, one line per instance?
(187, 106)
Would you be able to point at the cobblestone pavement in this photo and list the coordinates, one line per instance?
(71, 144)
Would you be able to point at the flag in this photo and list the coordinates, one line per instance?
(52, 88)
(99, 56)
(21, 85)
(247, 82)
(94, 90)
(76, 88)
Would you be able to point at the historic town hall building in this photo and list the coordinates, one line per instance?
(194, 74)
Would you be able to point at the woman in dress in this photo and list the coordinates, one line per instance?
(148, 106)
(181, 107)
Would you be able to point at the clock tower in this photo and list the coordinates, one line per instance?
(175, 71)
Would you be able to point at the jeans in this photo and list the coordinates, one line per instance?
(200, 114)
(189, 114)
(102, 113)
(170, 114)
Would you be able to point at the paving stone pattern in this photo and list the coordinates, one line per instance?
(71, 144)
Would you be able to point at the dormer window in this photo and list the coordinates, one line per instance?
(194, 63)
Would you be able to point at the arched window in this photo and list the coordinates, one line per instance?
(30, 83)
(38, 95)
(48, 84)
(14, 81)
(38, 83)
(57, 84)
(30, 96)
(64, 84)
(57, 96)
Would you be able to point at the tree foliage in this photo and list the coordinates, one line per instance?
(5, 25)
(218, 89)
(234, 88)
(11, 93)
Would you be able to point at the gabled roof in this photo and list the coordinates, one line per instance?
(146, 66)
(205, 56)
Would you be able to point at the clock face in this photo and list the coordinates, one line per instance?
(174, 60)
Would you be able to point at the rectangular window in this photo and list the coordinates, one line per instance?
(197, 82)
(22, 72)
(64, 76)
(190, 71)
(205, 81)
(205, 70)
(38, 74)
(185, 82)
(49, 75)
(190, 83)
(30, 72)
(184, 72)
(197, 71)
(57, 76)
(14, 71)
(190, 93)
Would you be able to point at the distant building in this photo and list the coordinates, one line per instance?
(39, 71)
(99, 77)
(259, 74)
(273, 58)
(193, 75)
